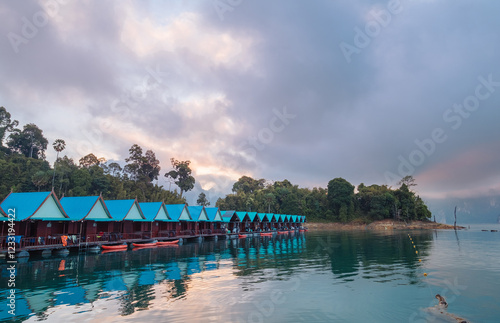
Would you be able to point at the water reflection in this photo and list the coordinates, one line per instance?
(371, 254)
(136, 280)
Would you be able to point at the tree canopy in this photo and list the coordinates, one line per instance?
(181, 174)
(338, 202)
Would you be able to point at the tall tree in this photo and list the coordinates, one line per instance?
(341, 193)
(142, 168)
(247, 185)
(59, 146)
(89, 161)
(181, 174)
(30, 141)
(6, 124)
(202, 200)
(409, 181)
(114, 169)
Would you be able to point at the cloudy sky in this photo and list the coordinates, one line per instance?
(303, 90)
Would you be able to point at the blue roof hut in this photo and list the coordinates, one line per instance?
(39, 218)
(127, 212)
(95, 221)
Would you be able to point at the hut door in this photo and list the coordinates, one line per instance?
(32, 229)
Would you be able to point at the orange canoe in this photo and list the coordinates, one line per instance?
(115, 247)
(166, 243)
(267, 234)
(282, 232)
(241, 236)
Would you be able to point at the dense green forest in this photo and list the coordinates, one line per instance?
(338, 202)
(23, 168)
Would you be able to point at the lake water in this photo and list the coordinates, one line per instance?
(311, 277)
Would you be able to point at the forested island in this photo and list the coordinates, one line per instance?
(24, 168)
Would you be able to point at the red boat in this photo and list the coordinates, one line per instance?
(242, 236)
(144, 245)
(115, 247)
(282, 232)
(166, 243)
(266, 234)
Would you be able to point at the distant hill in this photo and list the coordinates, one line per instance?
(470, 210)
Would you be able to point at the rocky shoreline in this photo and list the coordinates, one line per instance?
(381, 225)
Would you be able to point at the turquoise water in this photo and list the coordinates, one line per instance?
(311, 277)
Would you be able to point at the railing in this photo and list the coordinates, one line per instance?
(187, 233)
(41, 241)
(102, 237)
(169, 234)
(136, 235)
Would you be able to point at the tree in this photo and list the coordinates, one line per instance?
(30, 141)
(59, 146)
(89, 161)
(340, 193)
(40, 179)
(142, 168)
(114, 169)
(409, 181)
(6, 124)
(181, 174)
(202, 200)
(247, 185)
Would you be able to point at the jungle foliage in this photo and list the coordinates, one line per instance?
(337, 203)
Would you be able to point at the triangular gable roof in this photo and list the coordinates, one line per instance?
(81, 208)
(252, 216)
(154, 211)
(262, 217)
(122, 210)
(242, 215)
(213, 214)
(178, 212)
(270, 217)
(35, 205)
(280, 217)
(198, 213)
(294, 218)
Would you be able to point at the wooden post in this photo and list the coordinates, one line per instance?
(455, 224)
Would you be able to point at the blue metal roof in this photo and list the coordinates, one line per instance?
(262, 216)
(197, 213)
(270, 217)
(119, 209)
(241, 215)
(79, 207)
(150, 210)
(252, 215)
(213, 214)
(175, 210)
(25, 205)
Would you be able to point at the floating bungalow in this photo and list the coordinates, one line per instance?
(91, 217)
(41, 221)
